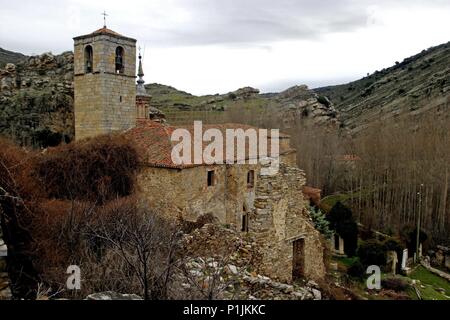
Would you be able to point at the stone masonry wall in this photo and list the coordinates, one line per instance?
(279, 219)
(103, 103)
(275, 204)
(185, 192)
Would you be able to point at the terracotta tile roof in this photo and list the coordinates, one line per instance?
(105, 30)
(153, 140)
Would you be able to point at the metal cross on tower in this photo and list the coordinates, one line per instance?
(104, 14)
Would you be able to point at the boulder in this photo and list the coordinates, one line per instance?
(245, 93)
(156, 115)
(10, 68)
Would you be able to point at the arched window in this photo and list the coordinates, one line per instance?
(120, 65)
(88, 59)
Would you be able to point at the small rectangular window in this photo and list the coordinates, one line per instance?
(211, 178)
(251, 179)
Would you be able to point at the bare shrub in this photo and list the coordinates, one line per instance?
(18, 192)
(99, 169)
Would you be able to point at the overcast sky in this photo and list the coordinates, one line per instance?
(216, 46)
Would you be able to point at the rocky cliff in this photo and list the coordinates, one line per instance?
(36, 100)
(299, 103)
(416, 86)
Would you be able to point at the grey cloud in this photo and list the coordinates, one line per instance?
(228, 22)
(209, 22)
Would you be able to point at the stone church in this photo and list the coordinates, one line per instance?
(272, 208)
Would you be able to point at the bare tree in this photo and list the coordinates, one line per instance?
(147, 243)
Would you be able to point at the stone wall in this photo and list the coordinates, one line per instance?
(185, 192)
(104, 103)
(275, 206)
(279, 220)
(104, 100)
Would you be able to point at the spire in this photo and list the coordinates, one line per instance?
(141, 91)
(141, 70)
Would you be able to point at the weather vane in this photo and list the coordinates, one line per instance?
(104, 14)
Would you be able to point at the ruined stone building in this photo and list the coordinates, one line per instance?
(270, 207)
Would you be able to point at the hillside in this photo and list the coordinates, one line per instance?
(413, 87)
(245, 105)
(10, 57)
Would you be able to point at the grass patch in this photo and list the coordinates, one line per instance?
(429, 279)
(430, 293)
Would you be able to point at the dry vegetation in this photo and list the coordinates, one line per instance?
(77, 205)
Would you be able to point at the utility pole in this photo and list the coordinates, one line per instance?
(418, 224)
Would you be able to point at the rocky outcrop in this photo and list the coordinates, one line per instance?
(244, 93)
(291, 106)
(301, 103)
(156, 115)
(36, 100)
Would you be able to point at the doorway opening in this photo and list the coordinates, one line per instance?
(298, 259)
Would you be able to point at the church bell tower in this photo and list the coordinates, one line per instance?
(105, 87)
